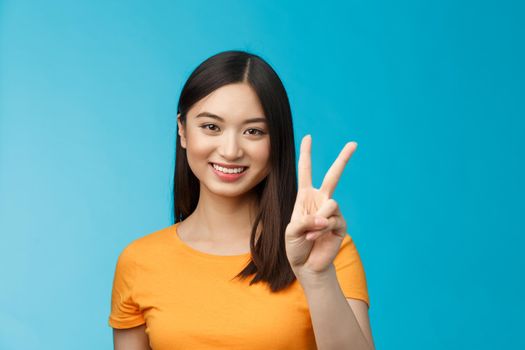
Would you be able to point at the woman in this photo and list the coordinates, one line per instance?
(252, 262)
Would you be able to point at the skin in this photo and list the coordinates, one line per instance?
(224, 216)
(134, 338)
(222, 221)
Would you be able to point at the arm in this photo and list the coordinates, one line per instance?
(360, 309)
(131, 339)
(338, 323)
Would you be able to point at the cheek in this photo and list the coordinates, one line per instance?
(197, 150)
(262, 154)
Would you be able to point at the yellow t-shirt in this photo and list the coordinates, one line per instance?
(189, 299)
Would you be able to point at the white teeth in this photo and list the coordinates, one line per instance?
(227, 170)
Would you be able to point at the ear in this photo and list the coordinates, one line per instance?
(182, 132)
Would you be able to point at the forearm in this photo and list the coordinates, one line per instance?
(334, 323)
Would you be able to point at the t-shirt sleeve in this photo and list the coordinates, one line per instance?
(350, 271)
(125, 312)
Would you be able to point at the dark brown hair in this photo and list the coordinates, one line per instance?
(276, 193)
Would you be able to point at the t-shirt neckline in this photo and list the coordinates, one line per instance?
(199, 253)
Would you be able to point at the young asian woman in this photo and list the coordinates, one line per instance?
(256, 259)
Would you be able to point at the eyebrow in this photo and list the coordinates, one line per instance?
(214, 116)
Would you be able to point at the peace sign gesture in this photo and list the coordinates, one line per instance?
(311, 245)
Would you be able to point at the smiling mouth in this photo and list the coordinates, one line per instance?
(228, 170)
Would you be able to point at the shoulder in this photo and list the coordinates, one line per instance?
(148, 245)
(347, 252)
(350, 271)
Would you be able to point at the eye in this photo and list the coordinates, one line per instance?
(257, 132)
(205, 127)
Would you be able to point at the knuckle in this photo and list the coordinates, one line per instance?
(333, 203)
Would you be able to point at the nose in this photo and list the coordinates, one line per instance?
(230, 147)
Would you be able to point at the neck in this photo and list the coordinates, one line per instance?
(221, 219)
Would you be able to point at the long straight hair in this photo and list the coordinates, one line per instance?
(276, 193)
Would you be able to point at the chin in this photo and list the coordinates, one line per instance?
(229, 192)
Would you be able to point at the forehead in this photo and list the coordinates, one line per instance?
(232, 102)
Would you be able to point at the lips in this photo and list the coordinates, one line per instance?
(228, 177)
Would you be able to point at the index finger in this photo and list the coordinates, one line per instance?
(305, 163)
(334, 173)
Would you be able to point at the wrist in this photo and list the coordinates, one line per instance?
(316, 280)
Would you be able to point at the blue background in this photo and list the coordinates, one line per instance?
(432, 91)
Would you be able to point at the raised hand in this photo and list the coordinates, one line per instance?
(311, 246)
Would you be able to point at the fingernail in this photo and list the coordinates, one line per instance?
(320, 220)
